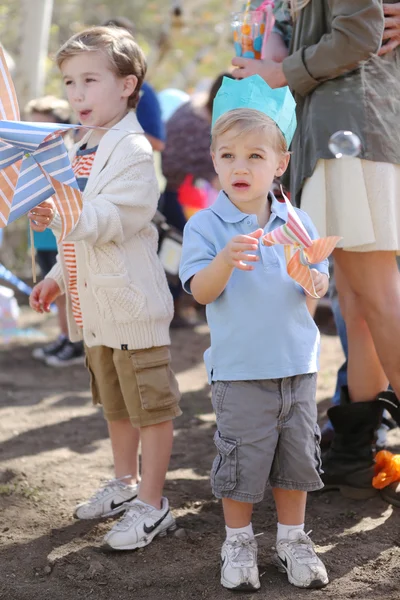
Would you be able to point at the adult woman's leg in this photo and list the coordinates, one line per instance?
(369, 291)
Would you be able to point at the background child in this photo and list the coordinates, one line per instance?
(264, 344)
(61, 352)
(118, 298)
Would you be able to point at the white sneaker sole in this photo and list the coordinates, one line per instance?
(52, 362)
(38, 354)
(144, 542)
(315, 584)
(243, 587)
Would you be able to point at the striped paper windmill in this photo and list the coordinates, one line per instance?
(301, 252)
(34, 163)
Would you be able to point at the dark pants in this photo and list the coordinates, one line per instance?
(46, 259)
(173, 212)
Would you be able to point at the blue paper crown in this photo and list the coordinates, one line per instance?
(253, 92)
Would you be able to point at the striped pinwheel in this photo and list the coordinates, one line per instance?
(34, 163)
(301, 252)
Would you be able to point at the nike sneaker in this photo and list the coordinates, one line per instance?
(109, 500)
(139, 526)
(72, 353)
(239, 570)
(44, 352)
(296, 557)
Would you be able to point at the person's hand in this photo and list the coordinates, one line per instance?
(236, 252)
(269, 70)
(321, 282)
(43, 295)
(391, 35)
(275, 48)
(42, 215)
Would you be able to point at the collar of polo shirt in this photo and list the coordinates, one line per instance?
(228, 212)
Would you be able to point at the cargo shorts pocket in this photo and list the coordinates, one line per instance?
(318, 458)
(156, 382)
(224, 469)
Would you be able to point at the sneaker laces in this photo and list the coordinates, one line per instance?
(242, 550)
(302, 548)
(69, 350)
(133, 512)
(55, 346)
(109, 485)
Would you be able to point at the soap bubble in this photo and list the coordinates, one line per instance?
(344, 143)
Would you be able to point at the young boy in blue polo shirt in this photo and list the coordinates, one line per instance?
(264, 344)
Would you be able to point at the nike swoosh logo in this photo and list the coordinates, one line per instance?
(115, 505)
(284, 562)
(151, 528)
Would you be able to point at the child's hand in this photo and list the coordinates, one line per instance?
(44, 294)
(41, 216)
(321, 282)
(235, 252)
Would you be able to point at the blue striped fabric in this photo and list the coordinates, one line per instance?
(28, 136)
(34, 164)
(9, 155)
(43, 152)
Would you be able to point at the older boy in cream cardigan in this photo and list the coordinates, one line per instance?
(118, 297)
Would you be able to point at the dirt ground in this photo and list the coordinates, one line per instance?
(54, 451)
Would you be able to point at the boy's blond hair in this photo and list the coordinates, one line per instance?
(125, 56)
(247, 120)
(57, 109)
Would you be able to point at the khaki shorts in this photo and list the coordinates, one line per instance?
(134, 384)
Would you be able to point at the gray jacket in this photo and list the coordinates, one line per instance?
(340, 83)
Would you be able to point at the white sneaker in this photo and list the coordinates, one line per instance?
(109, 500)
(296, 556)
(239, 570)
(139, 526)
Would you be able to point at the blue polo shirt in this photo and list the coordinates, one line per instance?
(260, 326)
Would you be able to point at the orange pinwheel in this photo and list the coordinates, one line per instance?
(301, 252)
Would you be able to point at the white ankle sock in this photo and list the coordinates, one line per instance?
(284, 530)
(230, 532)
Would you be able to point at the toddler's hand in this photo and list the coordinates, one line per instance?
(321, 282)
(44, 294)
(236, 251)
(41, 216)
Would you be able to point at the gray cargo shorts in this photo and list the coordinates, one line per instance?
(266, 432)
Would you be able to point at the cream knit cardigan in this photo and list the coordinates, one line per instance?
(122, 287)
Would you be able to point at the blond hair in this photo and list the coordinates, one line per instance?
(56, 109)
(247, 120)
(124, 54)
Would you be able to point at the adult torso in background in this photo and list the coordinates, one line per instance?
(365, 100)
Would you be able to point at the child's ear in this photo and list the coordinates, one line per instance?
(130, 83)
(283, 164)
(214, 163)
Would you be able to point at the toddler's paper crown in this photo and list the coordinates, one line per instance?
(253, 92)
